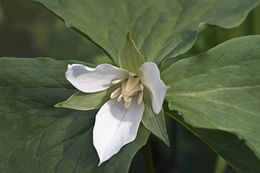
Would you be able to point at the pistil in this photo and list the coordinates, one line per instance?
(128, 89)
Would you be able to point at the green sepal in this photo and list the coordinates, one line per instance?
(86, 101)
(130, 57)
(155, 123)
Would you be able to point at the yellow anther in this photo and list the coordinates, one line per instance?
(127, 99)
(140, 98)
(120, 97)
(117, 81)
(115, 93)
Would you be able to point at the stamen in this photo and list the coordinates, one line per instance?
(133, 74)
(127, 105)
(141, 87)
(117, 81)
(140, 98)
(115, 93)
(123, 87)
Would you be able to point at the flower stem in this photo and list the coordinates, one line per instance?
(148, 158)
(221, 165)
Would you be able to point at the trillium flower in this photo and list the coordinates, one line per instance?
(117, 121)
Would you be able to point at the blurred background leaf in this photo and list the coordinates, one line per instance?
(32, 31)
(1, 15)
(213, 35)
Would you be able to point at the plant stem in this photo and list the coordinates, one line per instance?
(148, 158)
(221, 165)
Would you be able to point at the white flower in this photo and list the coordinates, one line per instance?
(118, 119)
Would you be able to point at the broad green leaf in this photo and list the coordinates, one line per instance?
(160, 28)
(153, 122)
(220, 89)
(37, 137)
(130, 58)
(226, 144)
(86, 101)
(100, 59)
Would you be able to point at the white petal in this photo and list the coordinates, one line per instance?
(89, 80)
(115, 126)
(157, 89)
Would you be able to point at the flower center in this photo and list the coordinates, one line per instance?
(129, 88)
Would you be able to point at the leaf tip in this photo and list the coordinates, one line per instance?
(58, 105)
(167, 142)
